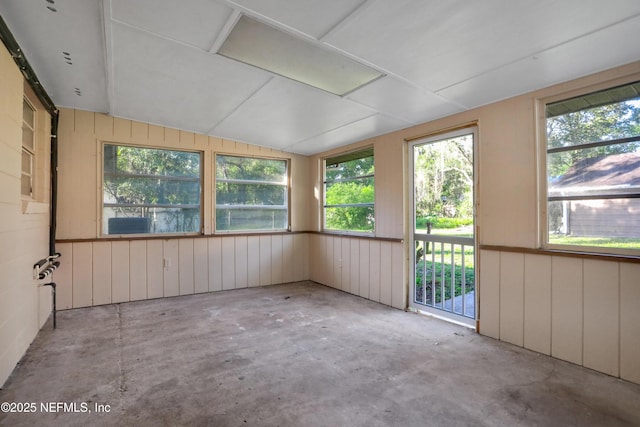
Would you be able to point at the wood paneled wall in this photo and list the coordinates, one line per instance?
(579, 310)
(574, 309)
(80, 136)
(105, 272)
(390, 194)
(583, 311)
(24, 222)
(370, 268)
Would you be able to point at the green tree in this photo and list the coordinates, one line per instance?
(262, 171)
(444, 178)
(259, 184)
(357, 218)
(138, 178)
(602, 123)
(350, 169)
(347, 183)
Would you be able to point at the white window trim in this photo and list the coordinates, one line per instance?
(541, 167)
(286, 184)
(323, 205)
(100, 195)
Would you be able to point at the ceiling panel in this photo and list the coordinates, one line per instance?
(285, 112)
(436, 44)
(196, 22)
(368, 127)
(314, 18)
(399, 99)
(161, 82)
(150, 61)
(37, 30)
(596, 52)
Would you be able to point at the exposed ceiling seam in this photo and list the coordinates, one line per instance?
(272, 22)
(254, 93)
(302, 141)
(539, 52)
(377, 67)
(347, 19)
(350, 18)
(108, 55)
(385, 112)
(224, 32)
(160, 36)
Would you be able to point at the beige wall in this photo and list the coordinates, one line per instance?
(24, 226)
(581, 310)
(96, 271)
(104, 272)
(389, 182)
(370, 268)
(375, 269)
(81, 134)
(568, 307)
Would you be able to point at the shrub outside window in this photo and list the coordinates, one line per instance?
(252, 194)
(349, 192)
(150, 190)
(593, 171)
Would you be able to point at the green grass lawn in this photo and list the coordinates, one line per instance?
(459, 227)
(603, 242)
(436, 270)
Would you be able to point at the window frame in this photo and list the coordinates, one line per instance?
(542, 167)
(286, 184)
(101, 203)
(324, 205)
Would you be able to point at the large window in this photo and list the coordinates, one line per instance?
(349, 192)
(28, 148)
(251, 194)
(593, 171)
(148, 190)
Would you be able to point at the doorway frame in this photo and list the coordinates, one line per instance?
(452, 317)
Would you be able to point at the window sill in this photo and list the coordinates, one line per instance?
(364, 236)
(349, 233)
(564, 253)
(33, 207)
(172, 236)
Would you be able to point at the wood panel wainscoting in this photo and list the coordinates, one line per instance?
(112, 270)
(105, 271)
(371, 267)
(582, 308)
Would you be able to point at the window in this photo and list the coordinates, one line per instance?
(148, 190)
(28, 148)
(349, 192)
(593, 171)
(251, 194)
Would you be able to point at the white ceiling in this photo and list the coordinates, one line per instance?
(155, 60)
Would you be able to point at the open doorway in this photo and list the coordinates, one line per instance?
(443, 220)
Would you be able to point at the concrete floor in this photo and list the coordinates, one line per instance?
(296, 355)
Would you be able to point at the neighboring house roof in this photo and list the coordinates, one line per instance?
(619, 171)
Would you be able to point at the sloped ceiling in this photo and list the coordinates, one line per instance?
(156, 61)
